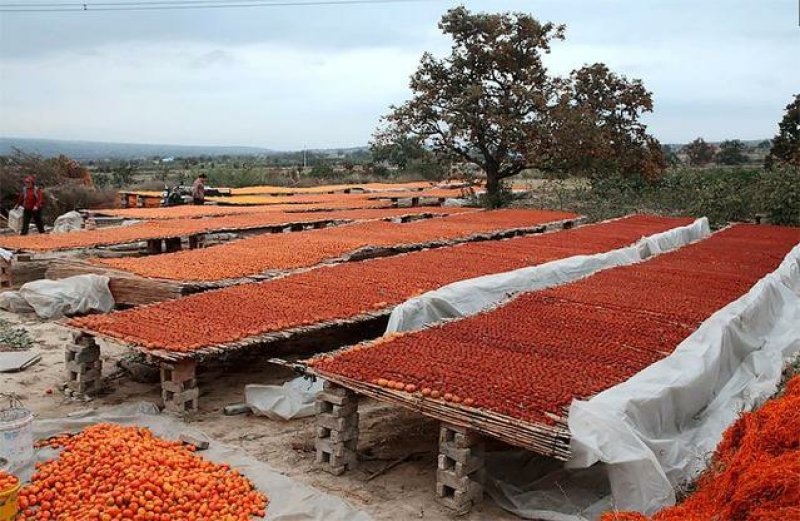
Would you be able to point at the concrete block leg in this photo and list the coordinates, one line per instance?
(172, 244)
(5, 274)
(179, 386)
(83, 367)
(197, 241)
(337, 429)
(154, 246)
(460, 476)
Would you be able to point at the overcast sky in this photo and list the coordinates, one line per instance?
(321, 76)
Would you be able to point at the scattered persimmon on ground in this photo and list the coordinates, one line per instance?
(754, 474)
(113, 472)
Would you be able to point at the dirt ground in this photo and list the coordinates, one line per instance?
(388, 433)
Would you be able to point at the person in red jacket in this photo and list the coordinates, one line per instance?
(31, 199)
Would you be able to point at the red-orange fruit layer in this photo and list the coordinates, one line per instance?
(754, 474)
(181, 227)
(535, 354)
(110, 472)
(330, 198)
(351, 289)
(276, 252)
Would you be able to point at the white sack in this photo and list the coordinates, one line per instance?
(69, 296)
(15, 219)
(69, 222)
(453, 202)
(293, 399)
(657, 429)
(6, 255)
(14, 302)
(471, 296)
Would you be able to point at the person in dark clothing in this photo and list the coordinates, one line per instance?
(31, 199)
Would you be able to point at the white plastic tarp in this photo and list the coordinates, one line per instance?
(293, 399)
(69, 296)
(471, 296)
(657, 429)
(68, 222)
(14, 302)
(289, 499)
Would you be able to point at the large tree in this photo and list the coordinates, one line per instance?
(597, 128)
(492, 103)
(731, 152)
(786, 144)
(699, 152)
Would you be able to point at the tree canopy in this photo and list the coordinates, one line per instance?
(699, 152)
(731, 152)
(492, 103)
(786, 144)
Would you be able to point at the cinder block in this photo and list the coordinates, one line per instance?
(83, 339)
(84, 368)
(178, 387)
(461, 455)
(338, 398)
(335, 436)
(81, 354)
(178, 371)
(332, 422)
(459, 437)
(458, 468)
(86, 387)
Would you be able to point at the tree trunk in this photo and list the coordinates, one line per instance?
(492, 188)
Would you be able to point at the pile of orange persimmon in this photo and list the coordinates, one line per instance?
(7, 481)
(112, 472)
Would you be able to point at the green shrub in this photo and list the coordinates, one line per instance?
(779, 196)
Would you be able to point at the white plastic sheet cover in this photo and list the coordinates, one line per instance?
(6, 255)
(289, 499)
(14, 302)
(658, 429)
(68, 222)
(69, 296)
(471, 296)
(293, 399)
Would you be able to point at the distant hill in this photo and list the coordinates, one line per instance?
(86, 150)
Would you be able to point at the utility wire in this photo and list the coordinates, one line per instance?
(190, 4)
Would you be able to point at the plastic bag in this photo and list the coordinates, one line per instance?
(15, 219)
(70, 296)
(293, 399)
(14, 302)
(69, 222)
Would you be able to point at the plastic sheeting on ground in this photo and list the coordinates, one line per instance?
(289, 499)
(69, 296)
(14, 302)
(469, 297)
(293, 399)
(657, 429)
(68, 222)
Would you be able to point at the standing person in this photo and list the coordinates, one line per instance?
(31, 199)
(199, 189)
